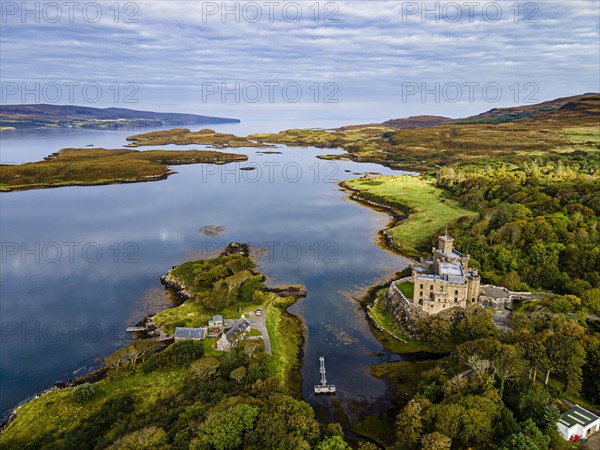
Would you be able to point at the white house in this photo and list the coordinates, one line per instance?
(578, 422)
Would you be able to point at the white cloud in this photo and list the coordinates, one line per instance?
(176, 46)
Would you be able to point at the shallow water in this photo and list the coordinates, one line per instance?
(77, 262)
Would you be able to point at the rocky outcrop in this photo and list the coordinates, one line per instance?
(176, 288)
(408, 317)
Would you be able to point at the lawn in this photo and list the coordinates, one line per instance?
(428, 207)
(286, 333)
(407, 288)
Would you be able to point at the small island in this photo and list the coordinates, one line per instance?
(95, 166)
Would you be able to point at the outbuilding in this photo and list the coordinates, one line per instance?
(189, 334)
(578, 421)
(216, 322)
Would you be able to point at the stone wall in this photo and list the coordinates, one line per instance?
(407, 316)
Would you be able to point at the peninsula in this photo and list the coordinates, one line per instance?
(177, 383)
(73, 116)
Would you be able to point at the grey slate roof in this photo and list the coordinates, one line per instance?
(239, 326)
(217, 318)
(578, 415)
(190, 333)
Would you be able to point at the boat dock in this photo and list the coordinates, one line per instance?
(324, 388)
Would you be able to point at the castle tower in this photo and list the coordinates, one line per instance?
(445, 244)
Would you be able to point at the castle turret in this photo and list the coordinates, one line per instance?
(445, 244)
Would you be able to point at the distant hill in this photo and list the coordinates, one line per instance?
(73, 116)
(406, 123)
(585, 109)
(537, 111)
(504, 115)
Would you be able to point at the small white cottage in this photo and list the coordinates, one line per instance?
(578, 422)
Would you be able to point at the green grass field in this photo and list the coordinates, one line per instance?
(427, 206)
(286, 333)
(57, 412)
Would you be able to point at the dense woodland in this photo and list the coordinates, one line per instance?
(538, 226)
(537, 231)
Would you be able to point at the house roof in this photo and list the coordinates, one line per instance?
(578, 416)
(190, 333)
(217, 318)
(239, 326)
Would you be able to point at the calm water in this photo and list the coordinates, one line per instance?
(77, 262)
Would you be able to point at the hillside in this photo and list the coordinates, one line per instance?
(73, 116)
(537, 111)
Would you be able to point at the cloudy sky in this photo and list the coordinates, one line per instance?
(352, 61)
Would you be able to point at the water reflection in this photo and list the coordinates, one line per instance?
(60, 313)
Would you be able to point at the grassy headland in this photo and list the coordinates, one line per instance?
(188, 392)
(421, 207)
(94, 166)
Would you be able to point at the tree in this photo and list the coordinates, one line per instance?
(507, 364)
(333, 443)
(409, 423)
(551, 416)
(479, 366)
(476, 323)
(591, 372)
(478, 420)
(205, 368)
(435, 441)
(529, 437)
(535, 353)
(284, 424)
(225, 430)
(566, 355)
(83, 392)
(437, 330)
(445, 418)
(367, 446)
(590, 300)
(149, 438)
(512, 281)
(131, 354)
(238, 374)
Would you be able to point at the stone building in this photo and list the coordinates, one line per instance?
(189, 334)
(445, 280)
(235, 334)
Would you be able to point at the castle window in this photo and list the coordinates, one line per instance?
(421, 293)
(431, 287)
(455, 299)
(421, 287)
(456, 292)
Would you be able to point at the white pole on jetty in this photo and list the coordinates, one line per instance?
(322, 370)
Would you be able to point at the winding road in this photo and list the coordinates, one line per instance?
(259, 323)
